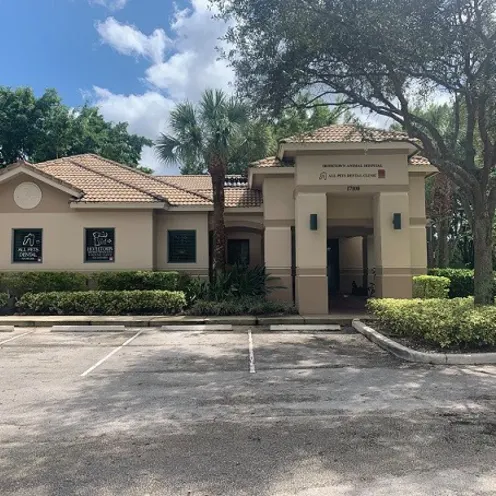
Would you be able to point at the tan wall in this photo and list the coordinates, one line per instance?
(418, 235)
(311, 254)
(392, 247)
(314, 170)
(277, 246)
(63, 232)
(63, 239)
(350, 263)
(279, 201)
(197, 221)
(53, 200)
(255, 239)
(350, 207)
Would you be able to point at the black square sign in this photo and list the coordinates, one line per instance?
(27, 246)
(99, 245)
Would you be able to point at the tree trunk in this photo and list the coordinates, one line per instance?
(443, 258)
(218, 175)
(483, 255)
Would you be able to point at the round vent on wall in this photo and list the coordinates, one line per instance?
(27, 195)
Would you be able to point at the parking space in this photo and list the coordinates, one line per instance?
(194, 413)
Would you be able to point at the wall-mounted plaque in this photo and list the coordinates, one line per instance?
(99, 245)
(27, 246)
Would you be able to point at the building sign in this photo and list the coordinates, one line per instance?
(99, 245)
(27, 246)
(352, 171)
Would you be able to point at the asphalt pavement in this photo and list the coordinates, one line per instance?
(144, 412)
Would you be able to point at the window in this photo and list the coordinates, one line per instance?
(182, 246)
(99, 244)
(238, 252)
(27, 245)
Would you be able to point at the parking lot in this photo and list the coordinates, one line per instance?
(145, 412)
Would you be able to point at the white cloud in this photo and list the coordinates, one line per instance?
(182, 67)
(195, 65)
(128, 40)
(147, 115)
(110, 4)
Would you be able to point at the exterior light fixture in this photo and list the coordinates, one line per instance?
(397, 221)
(314, 224)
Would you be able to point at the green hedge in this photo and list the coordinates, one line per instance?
(103, 303)
(430, 287)
(4, 300)
(445, 323)
(137, 280)
(247, 306)
(19, 283)
(461, 281)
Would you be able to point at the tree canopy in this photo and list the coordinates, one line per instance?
(40, 129)
(388, 57)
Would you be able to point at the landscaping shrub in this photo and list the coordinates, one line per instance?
(102, 303)
(430, 287)
(4, 300)
(237, 281)
(19, 283)
(461, 281)
(445, 323)
(242, 306)
(136, 280)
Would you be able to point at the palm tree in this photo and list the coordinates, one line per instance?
(208, 136)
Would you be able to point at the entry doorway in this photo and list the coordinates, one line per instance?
(333, 270)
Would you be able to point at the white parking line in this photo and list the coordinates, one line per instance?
(113, 352)
(252, 354)
(16, 337)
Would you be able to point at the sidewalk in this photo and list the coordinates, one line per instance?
(160, 320)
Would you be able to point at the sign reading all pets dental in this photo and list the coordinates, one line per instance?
(352, 171)
(27, 246)
(99, 245)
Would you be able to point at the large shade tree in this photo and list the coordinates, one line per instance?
(213, 135)
(43, 128)
(387, 56)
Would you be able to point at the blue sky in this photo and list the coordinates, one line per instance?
(133, 58)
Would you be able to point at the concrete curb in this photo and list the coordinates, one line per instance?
(160, 320)
(415, 356)
(6, 328)
(198, 327)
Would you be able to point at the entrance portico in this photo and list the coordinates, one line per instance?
(342, 212)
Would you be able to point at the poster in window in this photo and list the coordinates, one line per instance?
(27, 246)
(100, 245)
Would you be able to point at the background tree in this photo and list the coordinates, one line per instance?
(40, 129)
(209, 136)
(387, 57)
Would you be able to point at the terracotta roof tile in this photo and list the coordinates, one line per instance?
(346, 134)
(419, 160)
(267, 162)
(102, 180)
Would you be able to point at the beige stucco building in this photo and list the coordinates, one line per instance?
(335, 207)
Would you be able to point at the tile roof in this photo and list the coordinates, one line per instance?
(267, 162)
(102, 180)
(419, 160)
(237, 193)
(346, 133)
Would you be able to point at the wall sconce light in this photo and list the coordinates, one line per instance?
(397, 221)
(314, 224)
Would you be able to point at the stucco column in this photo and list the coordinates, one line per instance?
(311, 254)
(277, 248)
(418, 233)
(392, 246)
